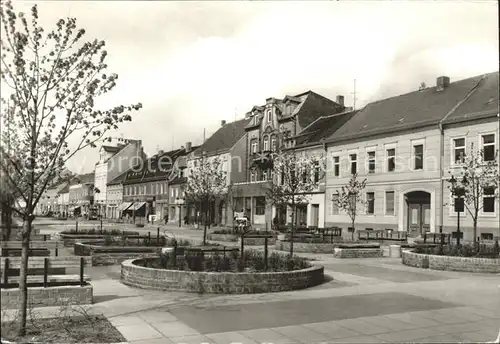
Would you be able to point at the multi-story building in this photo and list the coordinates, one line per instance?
(144, 185)
(268, 126)
(81, 194)
(113, 161)
(63, 200)
(404, 147)
(114, 197)
(222, 145)
(179, 211)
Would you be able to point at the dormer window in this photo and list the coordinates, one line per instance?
(269, 116)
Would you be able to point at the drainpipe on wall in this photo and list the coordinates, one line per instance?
(441, 149)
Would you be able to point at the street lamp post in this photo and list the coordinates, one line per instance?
(458, 193)
(180, 202)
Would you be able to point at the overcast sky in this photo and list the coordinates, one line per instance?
(192, 64)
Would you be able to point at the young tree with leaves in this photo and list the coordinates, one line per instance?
(477, 179)
(50, 82)
(296, 175)
(207, 182)
(350, 199)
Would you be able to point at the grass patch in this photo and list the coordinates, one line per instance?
(79, 329)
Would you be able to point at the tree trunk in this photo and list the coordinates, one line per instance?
(474, 227)
(23, 288)
(6, 221)
(353, 229)
(242, 244)
(205, 228)
(294, 222)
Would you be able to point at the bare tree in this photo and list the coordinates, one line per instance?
(206, 183)
(349, 197)
(296, 175)
(478, 180)
(50, 81)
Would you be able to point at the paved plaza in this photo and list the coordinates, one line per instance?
(362, 301)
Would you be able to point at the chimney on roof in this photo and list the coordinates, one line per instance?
(442, 82)
(223, 123)
(160, 152)
(340, 100)
(188, 147)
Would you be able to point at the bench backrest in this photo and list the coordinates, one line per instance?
(38, 262)
(50, 245)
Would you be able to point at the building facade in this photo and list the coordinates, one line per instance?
(267, 131)
(403, 146)
(81, 194)
(113, 161)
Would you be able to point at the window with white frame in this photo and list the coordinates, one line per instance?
(489, 200)
(316, 172)
(266, 143)
(273, 143)
(336, 166)
(335, 204)
(354, 163)
(371, 161)
(269, 116)
(370, 203)
(389, 203)
(391, 159)
(418, 156)
(255, 146)
(488, 146)
(458, 150)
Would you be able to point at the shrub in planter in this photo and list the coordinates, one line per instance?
(465, 250)
(140, 225)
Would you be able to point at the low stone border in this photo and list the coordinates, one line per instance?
(50, 296)
(70, 239)
(219, 282)
(257, 241)
(358, 252)
(281, 245)
(223, 237)
(435, 262)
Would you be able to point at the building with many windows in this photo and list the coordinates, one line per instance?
(268, 127)
(404, 146)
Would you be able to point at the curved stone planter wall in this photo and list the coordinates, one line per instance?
(70, 239)
(219, 282)
(47, 297)
(435, 262)
(358, 252)
(304, 247)
(111, 255)
(222, 237)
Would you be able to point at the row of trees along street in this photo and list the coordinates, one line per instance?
(50, 81)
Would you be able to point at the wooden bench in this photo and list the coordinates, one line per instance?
(6, 247)
(45, 269)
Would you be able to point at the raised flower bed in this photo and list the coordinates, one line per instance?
(452, 258)
(224, 274)
(358, 250)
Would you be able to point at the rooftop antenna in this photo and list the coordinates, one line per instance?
(203, 135)
(354, 96)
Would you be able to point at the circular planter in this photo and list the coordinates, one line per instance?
(450, 263)
(219, 282)
(69, 239)
(282, 245)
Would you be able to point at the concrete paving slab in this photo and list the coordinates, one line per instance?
(477, 336)
(331, 330)
(390, 324)
(174, 329)
(156, 316)
(162, 340)
(413, 319)
(266, 335)
(440, 318)
(230, 338)
(139, 332)
(192, 339)
(360, 339)
(297, 312)
(460, 312)
(127, 320)
(362, 327)
(408, 335)
(446, 338)
(301, 333)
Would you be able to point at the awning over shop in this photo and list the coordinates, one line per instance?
(124, 206)
(74, 208)
(137, 205)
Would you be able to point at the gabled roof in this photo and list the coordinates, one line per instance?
(310, 106)
(323, 127)
(484, 101)
(87, 178)
(224, 138)
(415, 109)
(111, 149)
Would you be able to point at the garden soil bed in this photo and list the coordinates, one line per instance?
(95, 329)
